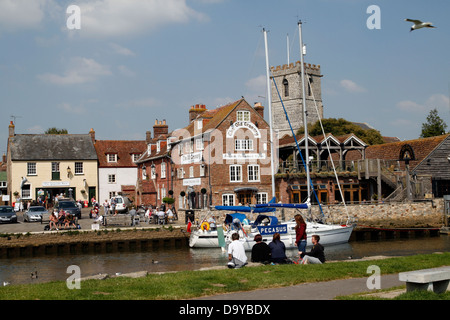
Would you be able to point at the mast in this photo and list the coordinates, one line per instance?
(269, 98)
(305, 114)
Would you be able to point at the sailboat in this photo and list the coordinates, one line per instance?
(330, 234)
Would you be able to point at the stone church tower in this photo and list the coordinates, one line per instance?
(288, 80)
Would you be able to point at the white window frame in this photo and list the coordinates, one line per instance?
(111, 157)
(163, 170)
(243, 115)
(226, 197)
(31, 169)
(236, 173)
(253, 173)
(199, 144)
(27, 193)
(202, 170)
(111, 178)
(243, 145)
(135, 157)
(79, 168)
(191, 172)
(261, 197)
(199, 124)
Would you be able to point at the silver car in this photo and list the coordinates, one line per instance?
(7, 214)
(34, 213)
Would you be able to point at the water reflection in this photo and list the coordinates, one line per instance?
(54, 267)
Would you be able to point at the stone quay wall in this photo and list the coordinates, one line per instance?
(426, 214)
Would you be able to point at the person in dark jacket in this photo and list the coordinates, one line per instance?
(260, 251)
(316, 255)
(277, 249)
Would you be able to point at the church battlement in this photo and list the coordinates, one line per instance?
(308, 66)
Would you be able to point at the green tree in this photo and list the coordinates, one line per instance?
(434, 126)
(340, 127)
(55, 130)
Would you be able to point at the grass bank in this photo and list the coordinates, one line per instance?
(190, 284)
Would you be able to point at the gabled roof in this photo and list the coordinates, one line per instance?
(212, 119)
(124, 150)
(38, 147)
(154, 153)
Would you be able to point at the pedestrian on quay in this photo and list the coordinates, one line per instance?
(105, 206)
(236, 253)
(316, 255)
(300, 234)
(260, 251)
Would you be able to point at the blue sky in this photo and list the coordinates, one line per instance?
(135, 61)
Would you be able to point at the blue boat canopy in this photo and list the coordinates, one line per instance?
(230, 217)
(282, 205)
(273, 221)
(245, 209)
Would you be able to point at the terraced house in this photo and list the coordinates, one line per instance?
(222, 157)
(47, 165)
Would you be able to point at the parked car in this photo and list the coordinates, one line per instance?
(34, 213)
(123, 204)
(7, 214)
(69, 206)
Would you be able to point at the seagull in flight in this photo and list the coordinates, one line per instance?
(419, 24)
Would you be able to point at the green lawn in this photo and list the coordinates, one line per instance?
(190, 284)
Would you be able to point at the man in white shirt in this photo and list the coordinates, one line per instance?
(236, 253)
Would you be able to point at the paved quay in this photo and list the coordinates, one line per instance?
(310, 291)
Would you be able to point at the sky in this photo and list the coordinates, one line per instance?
(130, 62)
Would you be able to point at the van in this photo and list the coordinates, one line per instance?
(123, 204)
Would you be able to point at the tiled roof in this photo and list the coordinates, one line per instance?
(391, 151)
(52, 147)
(212, 118)
(154, 152)
(124, 150)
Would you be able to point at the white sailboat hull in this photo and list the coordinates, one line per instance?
(329, 235)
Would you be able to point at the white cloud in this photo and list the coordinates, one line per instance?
(67, 107)
(79, 71)
(140, 103)
(21, 14)
(438, 101)
(121, 50)
(106, 18)
(351, 86)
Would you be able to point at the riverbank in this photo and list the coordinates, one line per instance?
(204, 283)
(70, 241)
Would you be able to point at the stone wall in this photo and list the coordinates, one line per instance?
(427, 214)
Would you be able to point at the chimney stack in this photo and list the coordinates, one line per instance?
(195, 111)
(160, 128)
(259, 108)
(12, 129)
(92, 134)
(148, 136)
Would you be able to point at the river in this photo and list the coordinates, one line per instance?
(54, 267)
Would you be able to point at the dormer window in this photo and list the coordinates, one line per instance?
(200, 124)
(112, 157)
(158, 146)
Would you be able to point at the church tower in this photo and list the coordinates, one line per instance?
(288, 79)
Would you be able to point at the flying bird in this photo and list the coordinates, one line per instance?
(419, 24)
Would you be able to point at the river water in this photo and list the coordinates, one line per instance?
(54, 267)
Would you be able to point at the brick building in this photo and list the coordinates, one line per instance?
(222, 157)
(154, 175)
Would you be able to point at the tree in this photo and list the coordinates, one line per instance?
(434, 126)
(340, 127)
(55, 130)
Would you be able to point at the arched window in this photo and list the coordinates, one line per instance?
(286, 87)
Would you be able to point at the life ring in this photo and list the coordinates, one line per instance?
(204, 226)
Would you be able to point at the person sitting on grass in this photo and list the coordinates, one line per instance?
(316, 255)
(260, 251)
(236, 253)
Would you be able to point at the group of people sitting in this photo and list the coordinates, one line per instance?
(160, 216)
(275, 251)
(61, 219)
